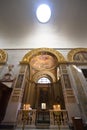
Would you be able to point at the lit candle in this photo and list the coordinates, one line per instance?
(24, 106)
(58, 107)
(54, 107)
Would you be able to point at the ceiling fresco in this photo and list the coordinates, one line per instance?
(44, 61)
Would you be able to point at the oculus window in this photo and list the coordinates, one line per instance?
(43, 13)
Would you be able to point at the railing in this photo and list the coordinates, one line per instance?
(26, 117)
(29, 117)
(58, 117)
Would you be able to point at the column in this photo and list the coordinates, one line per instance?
(16, 96)
(71, 103)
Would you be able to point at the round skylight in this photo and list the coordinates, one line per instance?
(43, 13)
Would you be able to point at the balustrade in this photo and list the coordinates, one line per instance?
(29, 117)
(26, 116)
(58, 117)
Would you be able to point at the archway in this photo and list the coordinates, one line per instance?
(43, 62)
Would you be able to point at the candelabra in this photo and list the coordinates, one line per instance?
(25, 114)
(57, 116)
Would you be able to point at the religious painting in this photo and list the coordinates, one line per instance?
(80, 56)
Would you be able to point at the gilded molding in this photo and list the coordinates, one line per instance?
(72, 53)
(26, 59)
(3, 56)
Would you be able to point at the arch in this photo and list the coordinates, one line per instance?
(3, 56)
(73, 52)
(45, 68)
(41, 74)
(44, 80)
(26, 59)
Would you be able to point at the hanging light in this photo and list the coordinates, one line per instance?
(43, 13)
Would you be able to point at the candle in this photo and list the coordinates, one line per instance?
(57, 107)
(26, 106)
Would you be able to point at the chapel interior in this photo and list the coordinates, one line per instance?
(43, 66)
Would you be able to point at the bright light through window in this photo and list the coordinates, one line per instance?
(43, 13)
(44, 80)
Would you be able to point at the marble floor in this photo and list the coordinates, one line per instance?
(52, 128)
(27, 128)
(35, 129)
(44, 129)
(38, 128)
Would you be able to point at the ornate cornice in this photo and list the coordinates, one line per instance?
(73, 52)
(3, 56)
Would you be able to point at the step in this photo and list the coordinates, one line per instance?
(42, 126)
